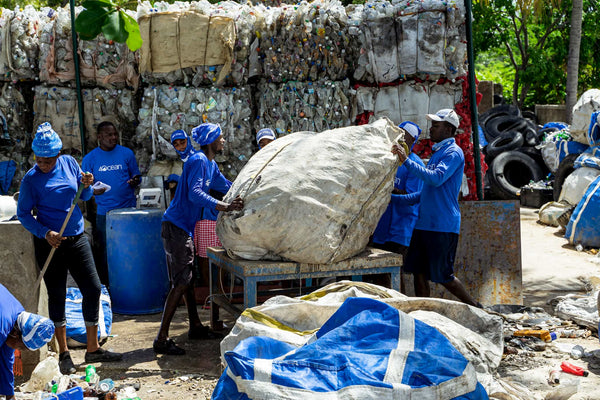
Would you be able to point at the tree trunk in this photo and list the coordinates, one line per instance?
(573, 60)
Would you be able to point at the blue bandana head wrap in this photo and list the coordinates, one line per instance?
(206, 133)
(35, 330)
(189, 150)
(265, 133)
(46, 143)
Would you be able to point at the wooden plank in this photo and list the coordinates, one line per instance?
(371, 258)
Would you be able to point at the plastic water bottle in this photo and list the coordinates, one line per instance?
(105, 385)
(91, 376)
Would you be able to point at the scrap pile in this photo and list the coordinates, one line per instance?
(291, 67)
(47, 382)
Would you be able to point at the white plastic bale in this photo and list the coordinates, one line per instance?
(312, 197)
(58, 105)
(19, 42)
(303, 106)
(409, 101)
(244, 17)
(15, 146)
(407, 38)
(186, 107)
(102, 63)
(305, 41)
(582, 112)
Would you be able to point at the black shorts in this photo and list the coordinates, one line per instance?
(179, 248)
(432, 254)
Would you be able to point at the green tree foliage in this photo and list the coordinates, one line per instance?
(111, 19)
(526, 50)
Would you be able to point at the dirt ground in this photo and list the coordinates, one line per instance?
(550, 268)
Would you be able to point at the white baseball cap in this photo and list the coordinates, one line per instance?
(445, 115)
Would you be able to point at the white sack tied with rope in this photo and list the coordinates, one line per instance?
(312, 197)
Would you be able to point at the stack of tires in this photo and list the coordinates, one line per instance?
(511, 152)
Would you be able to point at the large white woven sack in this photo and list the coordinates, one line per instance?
(582, 112)
(312, 197)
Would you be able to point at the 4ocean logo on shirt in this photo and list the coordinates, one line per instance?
(107, 168)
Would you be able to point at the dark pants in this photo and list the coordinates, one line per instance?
(100, 249)
(74, 255)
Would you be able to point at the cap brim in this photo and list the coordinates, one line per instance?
(434, 117)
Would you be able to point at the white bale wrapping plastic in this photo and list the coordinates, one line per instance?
(409, 101)
(406, 38)
(582, 113)
(303, 106)
(244, 17)
(176, 107)
(576, 184)
(312, 197)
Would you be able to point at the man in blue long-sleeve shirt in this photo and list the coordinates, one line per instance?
(199, 176)
(432, 249)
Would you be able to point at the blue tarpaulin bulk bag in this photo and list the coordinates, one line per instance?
(584, 225)
(366, 350)
(74, 314)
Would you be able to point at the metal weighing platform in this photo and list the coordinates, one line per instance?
(370, 261)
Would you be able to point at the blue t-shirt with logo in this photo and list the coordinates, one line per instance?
(114, 168)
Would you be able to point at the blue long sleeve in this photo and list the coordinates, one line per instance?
(52, 194)
(192, 195)
(10, 308)
(439, 210)
(441, 173)
(401, 200)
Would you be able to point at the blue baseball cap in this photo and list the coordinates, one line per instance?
(178, 134)
(206, 133)
(412, 128)
(46, 142)
(265, 133)
(36, 330)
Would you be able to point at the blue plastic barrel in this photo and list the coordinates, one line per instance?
(137, 267)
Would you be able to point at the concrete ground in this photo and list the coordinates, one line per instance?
(550, 267)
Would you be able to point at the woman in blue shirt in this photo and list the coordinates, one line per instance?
(50, 187)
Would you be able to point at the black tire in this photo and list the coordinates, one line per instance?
(510, 171)
(536, 154)
(532, 138)
(495, 126)
(529, 115)
(505, 142)
(502, 109)
(565, 168)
